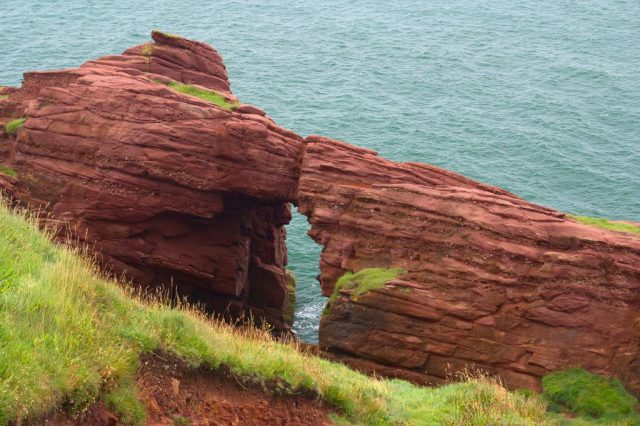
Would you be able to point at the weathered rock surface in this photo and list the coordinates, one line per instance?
(174, 190)
(164, 186)
(493, 282)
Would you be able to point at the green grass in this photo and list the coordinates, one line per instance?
(147, 49)
(606, 224)
(4, 96)
(361, 282)
(181, 421)
(69, 337)
(12, 126)
(8, 171)
(596, 398)
(123, 400)
(210, 96)
(367, 279)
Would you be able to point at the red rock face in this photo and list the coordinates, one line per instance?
(493, 282)
(165, 186)
(174, 190)
(175, 57)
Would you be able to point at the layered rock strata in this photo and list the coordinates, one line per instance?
(193, 194)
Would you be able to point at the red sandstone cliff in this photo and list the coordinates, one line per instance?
(167, 187)
(174, 189)
(493, 282)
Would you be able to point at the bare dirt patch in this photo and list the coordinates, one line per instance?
(174, 394)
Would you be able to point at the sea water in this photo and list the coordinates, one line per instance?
(539, 97)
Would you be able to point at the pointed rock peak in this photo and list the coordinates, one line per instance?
(180, 59)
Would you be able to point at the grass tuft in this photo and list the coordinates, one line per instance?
(210, 96)
(593, 397)
(124, 402)
(361, 282)
(12, 126)
(367, 279)
(147, 49)
(181, 421)
(606, 224)
(8, 171)
(4, 96)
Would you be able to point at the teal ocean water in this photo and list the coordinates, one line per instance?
(541, 98)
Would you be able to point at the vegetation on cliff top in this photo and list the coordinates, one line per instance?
(68, 337)
(606, 224)
(170, 35)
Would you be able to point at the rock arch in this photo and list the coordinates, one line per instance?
(169, 187)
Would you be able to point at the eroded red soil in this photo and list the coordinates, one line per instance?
(175, 394)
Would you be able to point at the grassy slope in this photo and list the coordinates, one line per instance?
(601, 399)
(67, 337)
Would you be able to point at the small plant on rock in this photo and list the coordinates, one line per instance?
(12, 127)
(8, 171)
(147, 49)
(363, 281)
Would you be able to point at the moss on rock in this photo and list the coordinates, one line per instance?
(362, 282)
(290, 309)
(12, 126)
